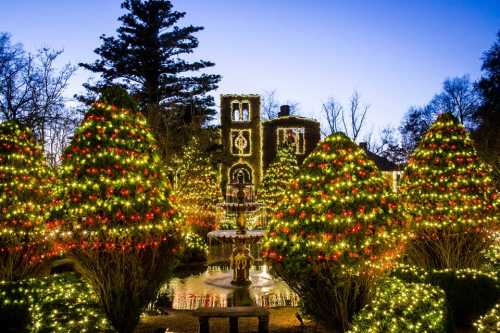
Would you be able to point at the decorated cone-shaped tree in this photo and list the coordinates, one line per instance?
(278, 176)
(25, 194)
(196, 189)
(334, 231)
(449, 199)
(114, 217)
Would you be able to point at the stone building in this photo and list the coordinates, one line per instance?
(250, 144)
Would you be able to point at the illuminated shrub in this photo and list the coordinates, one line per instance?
(25, 195)
(469, 292)
(278, 176)
(196, 191)
(490, 322)
(402, 307)
(448, 198)
(491, 256)
(114, 216)
(56, 303)
(195, 248)
(334, 231)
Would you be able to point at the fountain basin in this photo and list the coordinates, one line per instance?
(225, 235)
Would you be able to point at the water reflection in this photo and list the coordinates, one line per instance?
(212, 288)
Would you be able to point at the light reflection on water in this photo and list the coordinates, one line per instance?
(213, 288)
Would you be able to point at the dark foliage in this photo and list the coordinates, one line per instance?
(488, 114)
(457, 97)
(326, 297)
(14, 317)
(146, 59)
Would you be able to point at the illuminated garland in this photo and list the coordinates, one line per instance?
(423, 276)
(278, 176)
(337, 213)
(25, 194)
(445, 185)
(57, 303)
(114, 194)
(400, 307)
(490, 322)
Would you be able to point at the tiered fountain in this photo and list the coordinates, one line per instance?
(239, 205)
(248, 281)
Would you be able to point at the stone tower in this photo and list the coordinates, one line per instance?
(241, 139)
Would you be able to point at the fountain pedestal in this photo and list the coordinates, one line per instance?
(238, 206)
(241, 261)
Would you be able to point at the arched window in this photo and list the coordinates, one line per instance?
(245, 111)
(240, 173)
(240, 111)
(235, 111)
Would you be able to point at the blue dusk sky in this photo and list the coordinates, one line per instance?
(394, 53)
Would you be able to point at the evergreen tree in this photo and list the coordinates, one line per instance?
(488, 114)
(458, 97)
(449, 198)
(196, 188)
(25, 194)
(334, 230)
(114, 217)
(146, 59)
(278, 176)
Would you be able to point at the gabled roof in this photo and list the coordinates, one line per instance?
(382, 163)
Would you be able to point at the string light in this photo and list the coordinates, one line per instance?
(195, 243)
(278, 176)
(196, 190)
(338, 212)
(445, 185)
(58, 303)
(398, 306)
(114, 192)
(25, 194)
(446, 192)
(490, 322)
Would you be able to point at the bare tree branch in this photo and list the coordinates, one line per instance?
(31, 91)
(350, 121)
(333, 112)
(270, 105)
(357, 120)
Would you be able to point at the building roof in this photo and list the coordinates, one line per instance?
(239, 95)
(382, 163)
(282, 118)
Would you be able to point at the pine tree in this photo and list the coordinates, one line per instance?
(488, 113)
(335, 229)
(449, 198)
(278, 176)
(25, 194)
(196, 188)
(114, 216)
(146, 58)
